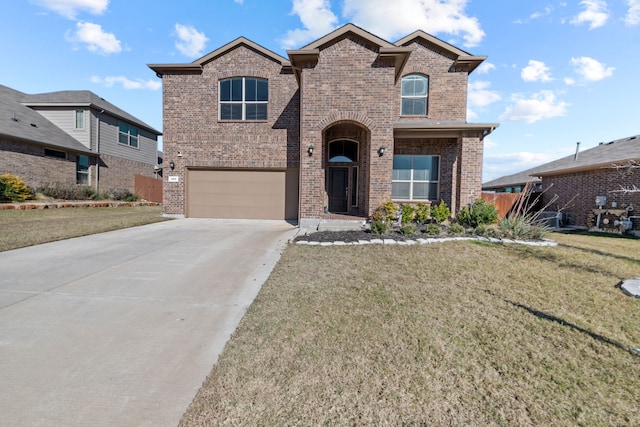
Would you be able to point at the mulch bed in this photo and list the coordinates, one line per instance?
(349, 236)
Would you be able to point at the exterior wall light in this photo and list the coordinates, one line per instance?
(381, 151)
(172, 165)
(310, 150)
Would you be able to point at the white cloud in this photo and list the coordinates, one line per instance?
(485, 67)
(590, 69)
(238, 1)
(317, 19)
(96, 39)
(190, 41)
(480, 96)
(535, 15)
(633, 14)
(536, 71)
(499, 165)
(569, 81)
(490, 143)
(391, 19)
(70, 8)
(541, 105)
(109, 81)
(595, 14)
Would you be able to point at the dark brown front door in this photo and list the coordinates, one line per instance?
(338, 189)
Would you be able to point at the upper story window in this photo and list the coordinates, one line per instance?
(79, 119)
(127, 134)
(415, 91)
(244, 98)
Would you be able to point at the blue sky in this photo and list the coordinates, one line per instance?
(557, 72)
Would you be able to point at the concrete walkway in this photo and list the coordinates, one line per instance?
(121, 328)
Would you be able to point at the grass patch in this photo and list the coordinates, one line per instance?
(22, 228)
(463, 333)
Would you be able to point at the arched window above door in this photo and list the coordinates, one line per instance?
(343, 151)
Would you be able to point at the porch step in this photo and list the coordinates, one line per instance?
(340, 225)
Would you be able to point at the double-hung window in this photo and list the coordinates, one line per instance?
(82, 170)
(244, 98)
(415, 91)
(127, 134)
(415, 177)
(79, 119)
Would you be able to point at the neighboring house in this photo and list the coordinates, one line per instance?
(341, 126)
(577, 180)
(514, 183)
(73, 137)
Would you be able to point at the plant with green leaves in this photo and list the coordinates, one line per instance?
(408, 213)
(408, 229)
(456, 228)
(423, 213)
(440, 212)
(433, 229)
(479, 213)
(14, 189)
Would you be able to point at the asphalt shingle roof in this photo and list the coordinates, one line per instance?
(21, 122)
(603, 155)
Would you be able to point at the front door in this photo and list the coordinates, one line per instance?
(338, 189)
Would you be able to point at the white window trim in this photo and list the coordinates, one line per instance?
(128, 144)
(411, 180)
(425, 97)
(81, 111)
(244, 103)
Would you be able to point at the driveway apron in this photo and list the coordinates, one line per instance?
(121, 328)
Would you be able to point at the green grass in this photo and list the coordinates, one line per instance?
(22, 228)
(462, 333)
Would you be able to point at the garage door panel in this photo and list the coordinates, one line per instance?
(238, 194)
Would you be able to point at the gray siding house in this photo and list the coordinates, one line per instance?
(73, 137)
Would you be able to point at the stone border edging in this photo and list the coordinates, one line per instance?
(427, 241)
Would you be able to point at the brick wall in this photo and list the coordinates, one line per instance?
(29, 162)
(117, 173)
(577, 192)
(191, 125)
(349, 84)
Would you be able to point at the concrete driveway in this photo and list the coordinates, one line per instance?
(121, 328)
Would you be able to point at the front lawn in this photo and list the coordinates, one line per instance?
(20, 228)
(457, 333)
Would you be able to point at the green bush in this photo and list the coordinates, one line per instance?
(408, 229)
(69, 192)
(379, 226)
(456, 228)
(14, 189)
(408, 213)
(433, 230)
(423, 213)
(440, 212)
(480, 212)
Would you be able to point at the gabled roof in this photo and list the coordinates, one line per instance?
(23, 123)
(196, 66)
(462, 58)
(601, 156)
(604, 155)
(82, 98)
(310, 52)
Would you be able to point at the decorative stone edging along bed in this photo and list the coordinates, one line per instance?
(426, 241)
(81, 204)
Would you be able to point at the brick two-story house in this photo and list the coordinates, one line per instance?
(341, 126)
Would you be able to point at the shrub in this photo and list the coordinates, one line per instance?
(480, 212)
(423, 213)
(456, 228)
(408, 213)
(440, 212)
(379, 226)
(487, 230)
(123, 194)
(433, 230)
(386, 211)
(408, 229)
(14, 189)
(70, 192)
(523, 227)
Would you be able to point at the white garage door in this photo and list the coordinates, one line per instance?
(246, 194)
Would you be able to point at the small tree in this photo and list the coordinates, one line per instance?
(440, 212)
(14, 189)
(479, 213)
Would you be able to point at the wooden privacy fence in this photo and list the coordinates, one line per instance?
(502, 201)
(148, 188)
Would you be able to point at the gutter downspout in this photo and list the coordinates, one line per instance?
(98, 152)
